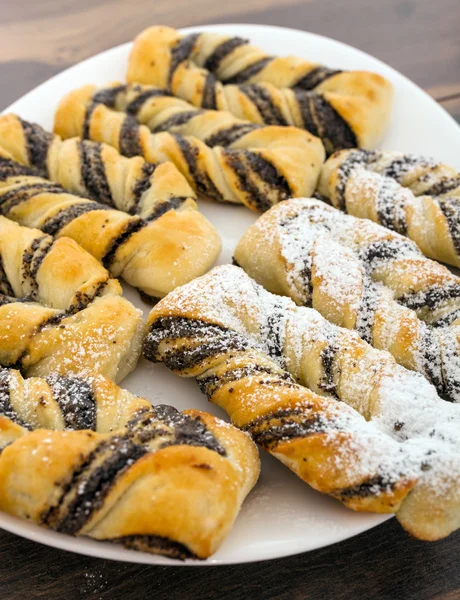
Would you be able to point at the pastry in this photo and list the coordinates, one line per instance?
(97, 171)
(344, 108)
(297, 384)
(259, 166)
(86, 458)
(413, 195)
(60, 312)
(361, 276)
(170, 246)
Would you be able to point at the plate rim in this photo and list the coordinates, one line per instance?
(66, 543)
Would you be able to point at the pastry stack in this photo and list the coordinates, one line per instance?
(331, 342)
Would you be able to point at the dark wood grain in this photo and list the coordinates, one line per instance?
(419, 38)
(383, 563)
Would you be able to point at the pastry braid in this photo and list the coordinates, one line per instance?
(215, 329)
(411, 194)
(344, 108)
(152, 478)
(361, 276)
(236, 339)
(170, 246)
(260, 167)
(199, 330)
(59, 309)
(97, 171)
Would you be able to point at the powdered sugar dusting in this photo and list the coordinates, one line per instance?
(358, 273)
(409, 428)
(369, 194)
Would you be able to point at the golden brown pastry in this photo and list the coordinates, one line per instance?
(84, 457)
(344, 108)
(97, 171)
(169, 244)
(60, 312)
(247, 349)
(362, 276)
(223, 158)
(413, 195)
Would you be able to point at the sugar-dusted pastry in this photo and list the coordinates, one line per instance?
(413, 195)
(60, 312)
(361, 276)
(223, 158)
(168, 245)
(86, 458)
(344, 108)
(248, 348)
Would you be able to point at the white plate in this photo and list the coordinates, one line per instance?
(282, 515)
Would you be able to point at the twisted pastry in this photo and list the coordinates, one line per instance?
(59, 309)
(210, 331)
(344, 108)
(413, 195)
(171, 245)
(84, 457)
(236, 340)
(97, 171)
(259, 167)
(361, 276)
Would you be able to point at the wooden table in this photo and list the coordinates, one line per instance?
(418, 37)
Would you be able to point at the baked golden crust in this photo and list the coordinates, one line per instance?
(159, 241)
(95, 171)
(413, 195)
(222, 157)
(60, 311)
(324, 442)
(345, 108)
(151, 478)
(361, 276)
(243, 343)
